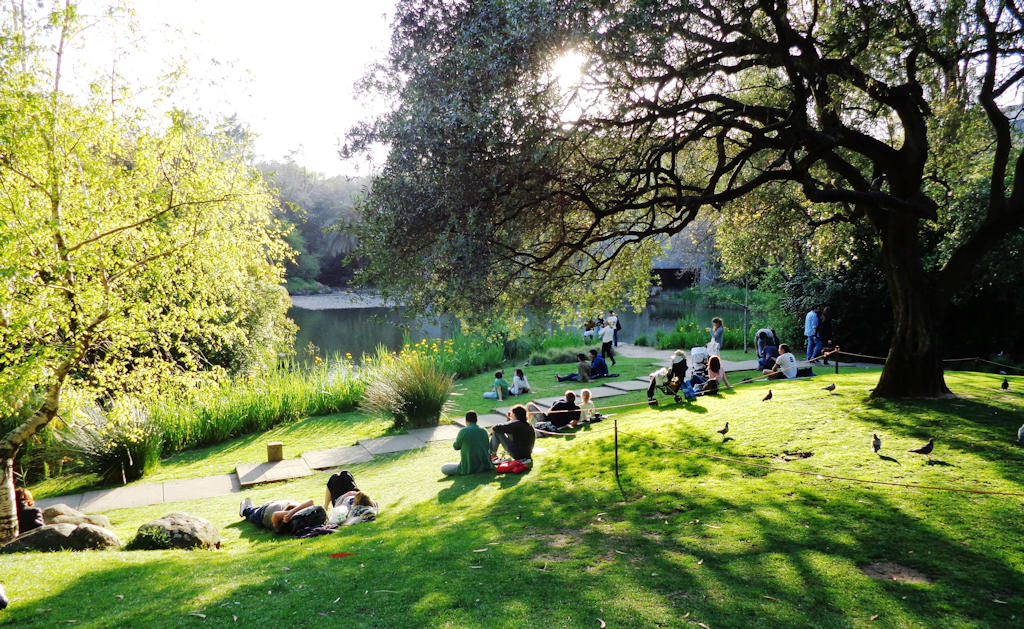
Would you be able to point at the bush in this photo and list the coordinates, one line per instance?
(256, 403)
(642, 340)
(687, 333)
(411, 387)
(119, 446)
(556, 356)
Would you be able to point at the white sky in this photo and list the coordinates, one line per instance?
(286, 69)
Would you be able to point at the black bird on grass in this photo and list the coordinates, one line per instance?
(830, 388)
(876, 444)
(1006, 383)
(724, 429)
(926, 449)
(767, 397)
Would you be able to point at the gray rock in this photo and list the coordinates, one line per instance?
(178, 530)
(63, 536)
(63, 514)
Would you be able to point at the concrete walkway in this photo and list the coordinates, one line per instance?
(249, 474)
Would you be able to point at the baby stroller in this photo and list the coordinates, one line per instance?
(671, 382)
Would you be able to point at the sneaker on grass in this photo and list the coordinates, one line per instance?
(245, 505)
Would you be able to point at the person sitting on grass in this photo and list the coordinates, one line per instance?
(516, 436)
(785, 365)
(276, 515)
(473, 443)
(561, 415)
(716, 376)
(588, 411)
(29, 515)
(519, 384)
(582, 371)
(598, 366)
(499, 390)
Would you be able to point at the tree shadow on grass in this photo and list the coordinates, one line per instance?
(462, 485)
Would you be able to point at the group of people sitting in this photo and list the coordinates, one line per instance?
(588, 369)
(705, 378)
(774, 359)
(344, 505)
(479, 449)
(501, 389)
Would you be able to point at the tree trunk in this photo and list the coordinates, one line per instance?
(8, 509)
(913, 367)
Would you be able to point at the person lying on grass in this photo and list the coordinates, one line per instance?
(582, 371)
(474, 444)
(348, 505)
(278, 515)
(516, 436)
(561, 415)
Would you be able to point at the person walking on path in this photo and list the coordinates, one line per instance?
(474, 445)
(607, 339)
(515, 435)
(811, 331)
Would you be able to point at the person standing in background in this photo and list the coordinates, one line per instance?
(825, 341)
(613, 320)
(717, 333)
(811, 331)
(607, 339)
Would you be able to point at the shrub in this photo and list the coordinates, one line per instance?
(555, 356)
(119, 445)
(256, 403)
(410, 387)
(688, 333)
(642, 340)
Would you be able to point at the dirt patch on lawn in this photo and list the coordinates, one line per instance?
(793, 456)
(888, 571)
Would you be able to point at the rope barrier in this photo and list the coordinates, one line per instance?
(829, 476)
(945, 360)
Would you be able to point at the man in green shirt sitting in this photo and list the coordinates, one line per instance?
(500, 389)
(473, 442)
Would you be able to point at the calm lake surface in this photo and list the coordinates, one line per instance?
(360, 330)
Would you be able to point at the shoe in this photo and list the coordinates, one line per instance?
(246, 504)
(652, 402)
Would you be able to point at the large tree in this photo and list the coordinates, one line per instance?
(501, 183)
(132, 249)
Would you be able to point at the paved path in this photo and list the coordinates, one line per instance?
(366, 450)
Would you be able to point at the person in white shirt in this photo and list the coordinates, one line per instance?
(607, 339)
(613, 320)
(519, 384)
(785, 365)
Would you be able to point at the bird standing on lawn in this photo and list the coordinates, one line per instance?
(876, 444)
(926, 449)
(1020, 434)
(829, 388)
(1006, 383)
(767, 397)
(724, 429)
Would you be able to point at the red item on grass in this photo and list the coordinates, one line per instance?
(336, 555)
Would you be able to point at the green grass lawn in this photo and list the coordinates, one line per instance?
(687, 540)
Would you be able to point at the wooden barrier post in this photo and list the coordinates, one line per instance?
(275, 451)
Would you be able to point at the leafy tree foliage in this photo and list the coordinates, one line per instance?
(321, 211)
(132, 251)
(502, 186)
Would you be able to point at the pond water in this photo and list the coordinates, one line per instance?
(360, 330)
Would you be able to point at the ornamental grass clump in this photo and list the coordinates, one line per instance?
(119, 445)
(410, 387)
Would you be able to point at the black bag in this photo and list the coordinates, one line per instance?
(804, 372)
(710, 387)
(618, 325)
(307, 518)
(340, 484)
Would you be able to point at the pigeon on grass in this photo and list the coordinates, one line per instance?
(724, 429)
(829, 388)
(926, 449)
(876, 444)
(767, 397)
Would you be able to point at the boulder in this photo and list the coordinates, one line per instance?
(63, 514)
(178, 530)
(63, 536)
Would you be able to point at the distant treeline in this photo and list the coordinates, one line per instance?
(321, 211)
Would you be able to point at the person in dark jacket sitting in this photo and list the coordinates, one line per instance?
(561, 415)
(515, 435)
(29, 515)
